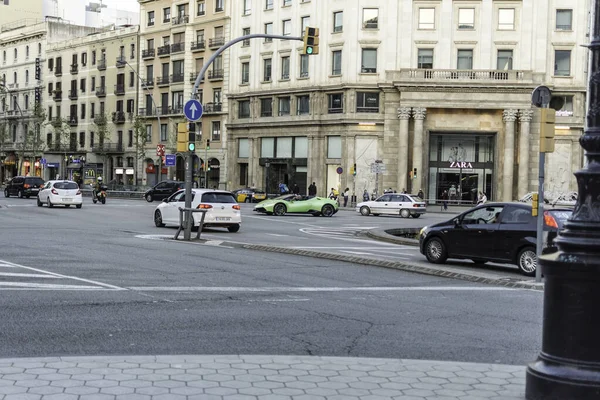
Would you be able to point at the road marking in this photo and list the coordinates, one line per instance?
(279, 220)
(275, 234)
(6, 266)
(26, 285)
(320, 289)
(357, 252)
(346, 247)
(13, 274)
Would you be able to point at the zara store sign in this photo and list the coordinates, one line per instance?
(461, 165)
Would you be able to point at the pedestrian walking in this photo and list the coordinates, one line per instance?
(366, 195)
(296, 189)
(312, 190)
(445, 200)
(346, 195)
(482, 198)
(421, 194)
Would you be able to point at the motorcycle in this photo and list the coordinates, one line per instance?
(100, 196)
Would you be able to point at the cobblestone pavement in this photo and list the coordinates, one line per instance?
(254, 377)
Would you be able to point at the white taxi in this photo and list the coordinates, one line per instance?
(65, 193)
(222, 209)
(401, 204)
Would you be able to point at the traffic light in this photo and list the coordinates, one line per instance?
(534, 204)
(183, 136)
(547, 120)
(191, 137)
(207, 144)
(311, 41)
(414, 174)
(354, 170)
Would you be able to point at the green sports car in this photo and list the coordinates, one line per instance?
(291, 203)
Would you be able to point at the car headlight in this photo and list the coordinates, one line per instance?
(422, 231)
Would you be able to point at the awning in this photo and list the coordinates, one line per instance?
(74, 166)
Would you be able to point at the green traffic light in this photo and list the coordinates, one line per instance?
(192, 147)
(309, 50)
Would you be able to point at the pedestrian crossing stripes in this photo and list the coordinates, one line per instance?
(337, 232)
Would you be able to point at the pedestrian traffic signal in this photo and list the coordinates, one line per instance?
(354, 170)
(311, 41)
(207, 144)
(414, 175)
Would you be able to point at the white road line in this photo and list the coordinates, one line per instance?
(320, 289)
(6, 266)
(275, 234)
(356, 252)
(45, 276)
(25, 285)
(344, 247)
(279, 220)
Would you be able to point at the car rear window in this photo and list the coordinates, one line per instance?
(66, 185)
(34, 181)
(218, 198)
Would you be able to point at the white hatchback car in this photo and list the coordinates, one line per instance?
(404, 205)
(64, 193)
(222, 210)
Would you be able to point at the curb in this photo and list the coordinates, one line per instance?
(383, 236)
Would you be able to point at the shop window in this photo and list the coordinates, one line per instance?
(367, 102)
(267, 147)
(243, 148)
(334, 147)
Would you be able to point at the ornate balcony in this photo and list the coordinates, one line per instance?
(148, 54)
(148, 83)
(182, 19)
(213, 108)
(72, 94)
(452, 77)
(72, 120)
(177, 47)
(74, 69)
(118, 117)
(102, 65)
(108, 148)
(216, 42)
(199, 45)
(58, 71)
(177, 78)
(120, 89)
(57, 95)
(162, 81)
(101, 91)
(164, 50)
(215, 74)
(121, 62)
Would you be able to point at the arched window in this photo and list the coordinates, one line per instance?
(15, 54)
(15, 77)
(26, 76)
(39, 49)
(27, 102)
(26, 51)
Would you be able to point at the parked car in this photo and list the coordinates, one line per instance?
(405, 205)
(222, 210)
(498, 232)
(64, 193)
(23, 186)
(293, 204)
(163, 189)
(249, 195)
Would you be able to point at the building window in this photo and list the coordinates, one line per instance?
(150, 18)
(132, 51)
(268, 4)
(466, 18)
(267, 147)
(267, 69)
(166, 15)
(564, 20)
(244, 109)
(81, 139)
(285, 67)
(243, 174)
(268, 31)
(163, 132)
(335, 103)
(218, 5)
(370, 18)
(369, 61)
(83, 59)
(367, 102)
(245, 72)
(562, 62)
(266, 107)
(149, 133)
(83, 111)
(303, 106)
(243, 148)
(201, 7)
(506, 19)
(284, 105)
(425, 59)
(336, 62)
(216, 131)
(92, 110)
(287, 3)
(217, 95)
(247, 7)
(130, 138)
(464, 59)
(567, 108)
(334, 147)
(286, 27)
(505, 60)
(426, 18)
(338, 21)
(304, 66)
(304, 22)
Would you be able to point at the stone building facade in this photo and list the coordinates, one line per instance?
(440, 87)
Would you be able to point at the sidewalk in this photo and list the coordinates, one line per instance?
(254, 377)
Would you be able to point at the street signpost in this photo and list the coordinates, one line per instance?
(339, 170)
(160, 150)
(193, 110)
(170, 160)
(378, 167)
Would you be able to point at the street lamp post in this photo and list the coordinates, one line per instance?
(568, 366)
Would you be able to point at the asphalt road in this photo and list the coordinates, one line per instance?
(91, 282)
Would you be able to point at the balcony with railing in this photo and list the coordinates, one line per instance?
(102, 64)
(216, 42)
(148, 83)
(212, 108)
(177, 47)
(72, 120)
(58, 148)
(215, 74)
(56, 122)
(177, 78)
(118, 117)
(146, 112)
(164, 50)
(108, 148)
(57, 71)
(182, 19)
(120, 89)
(163, 80)
(74, 69)
(121, 62)
(101, 91)
(193, 76)
(460, 76)
(148, 54)
(57, 95)
(72, 94)
(198, 45)
(162, 110)
(99, 120)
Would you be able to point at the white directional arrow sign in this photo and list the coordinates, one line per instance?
(193, 110)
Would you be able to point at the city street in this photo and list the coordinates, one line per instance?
(93, 282)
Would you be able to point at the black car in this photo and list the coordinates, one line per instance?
(162, 190)
(23, 186)
(498, 232)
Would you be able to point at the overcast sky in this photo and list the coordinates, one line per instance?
(129, 5)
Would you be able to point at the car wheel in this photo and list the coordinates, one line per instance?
(50, 205)
(104, 200)
(327, 210)
(435, 251)
(233, 228)
(279, 209)
(377, 215)
(479, 261)
(79, 205)
(158, 222)
(149, 198)
(364, 210)
(416, 215)
(6, 193)
(527, 261)
(247, 200)
(20, 194)
(404, 213)
(39, 202)
(67, 205)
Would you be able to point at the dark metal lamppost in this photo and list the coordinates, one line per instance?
(568, 366)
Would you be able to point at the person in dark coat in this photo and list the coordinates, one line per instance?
(312, 190)
(296, 189)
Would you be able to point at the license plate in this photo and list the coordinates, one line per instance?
(66, 199)
(223, 219)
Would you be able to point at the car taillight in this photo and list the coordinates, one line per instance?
(78, 193)
(204, 206)
(549, 220)
(236, 207)
(26, 186)
(54, 191)
(41, 186)
(416, 205)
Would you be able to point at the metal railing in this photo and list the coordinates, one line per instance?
(120, 89)
(176, 78)
(164, 50)
(118, 117)
(182, 19)
(74, 69)
(216, 74)
(148, 53)
(73, 120)
(198, 45)
(101, 65)
(177, 47)
(73, 94)
(120, 62)
(101, 91)
(213, 108)
(162, 80)
(108, 148)
(216, 42)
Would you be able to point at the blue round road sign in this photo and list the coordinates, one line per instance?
(339, 170)
(192, 110)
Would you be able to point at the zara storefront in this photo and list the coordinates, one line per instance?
(462, 164)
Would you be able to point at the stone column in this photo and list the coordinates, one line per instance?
(524, 138)
(417, 161)
(403, 116)
(509, 117)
